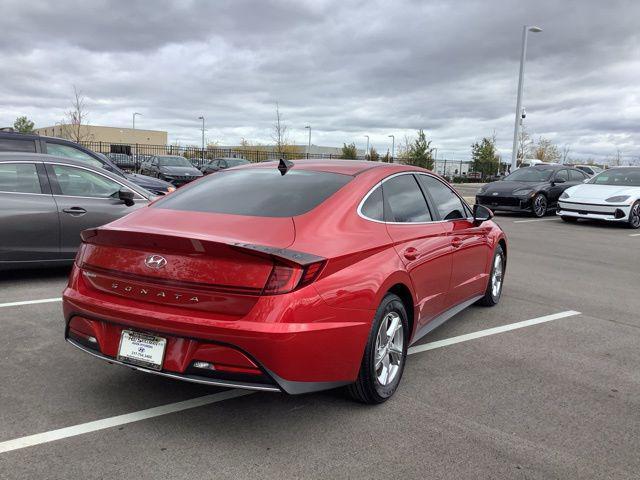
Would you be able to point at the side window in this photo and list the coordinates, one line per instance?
(77, 182)
(576, 176)
(70, 152)
(562, 174)
(17, 145)
(405, 200)
(446, 201)
(223, 164)
(19, 178)
(373, 206)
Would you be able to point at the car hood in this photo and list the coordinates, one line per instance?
(146, 181)
(193, 171)
(592, 192)
(508, 187)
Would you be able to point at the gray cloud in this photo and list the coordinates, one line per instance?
(349, 68)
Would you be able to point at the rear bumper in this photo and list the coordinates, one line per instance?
(609, 213)
(294, 343)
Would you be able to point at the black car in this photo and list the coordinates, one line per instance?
(171, 168)
(532, 189)
(221, 163)
(32, 143)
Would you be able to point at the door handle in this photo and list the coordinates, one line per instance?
(410, 253)
(75, 211)
(456, 242)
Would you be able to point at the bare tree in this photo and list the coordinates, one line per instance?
(74, 124)
(279, 135)
(545, 150)
(524, 143)
(564, 154)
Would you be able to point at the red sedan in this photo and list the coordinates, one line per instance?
(294, 277)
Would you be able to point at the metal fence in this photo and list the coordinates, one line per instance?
(130, 156)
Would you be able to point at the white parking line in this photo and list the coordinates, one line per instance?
(96, 425)
(30, 302)
(491, 331)
(535, 220)
(635, 235)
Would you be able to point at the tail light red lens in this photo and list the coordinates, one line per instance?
(285, 278)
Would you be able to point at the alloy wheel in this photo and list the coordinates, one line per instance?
(496, 277)
(540, 205)
(634, 218)
(388, 349)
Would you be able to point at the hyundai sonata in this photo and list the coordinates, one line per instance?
(294, 277)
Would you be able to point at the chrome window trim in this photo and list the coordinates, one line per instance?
(379, 184)
(140, 195)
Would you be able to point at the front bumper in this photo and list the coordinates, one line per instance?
(606, 212)
(505, 203)
(294, 343)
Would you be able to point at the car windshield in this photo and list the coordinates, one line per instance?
(530, 174)
(624, 177)
(173, 162)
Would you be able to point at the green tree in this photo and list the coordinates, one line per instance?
(23, 125)
(350, 152)
(420, 152)
(387, 157)
(484, 157)
(373, 156)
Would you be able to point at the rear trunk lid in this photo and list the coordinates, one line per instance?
(202, 261)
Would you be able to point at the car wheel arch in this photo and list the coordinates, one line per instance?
(404, 293)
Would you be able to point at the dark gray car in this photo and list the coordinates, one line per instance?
(46, 201)
(174, 169)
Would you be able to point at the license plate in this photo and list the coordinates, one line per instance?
(142, 349)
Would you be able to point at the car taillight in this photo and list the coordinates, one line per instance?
(285, 278)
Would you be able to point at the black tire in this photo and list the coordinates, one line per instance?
(568, 219)
(634, 216)
(367, 388)
(491, 297)
(539, 205)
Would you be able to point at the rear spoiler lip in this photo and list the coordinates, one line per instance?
(284, 255)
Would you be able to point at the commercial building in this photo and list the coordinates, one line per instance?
(106, 135)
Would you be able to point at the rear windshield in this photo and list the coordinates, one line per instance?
(257, 192)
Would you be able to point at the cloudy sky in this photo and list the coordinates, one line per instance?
(348, 68)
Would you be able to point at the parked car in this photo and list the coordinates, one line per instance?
(47, 201)
(122, 160)
(611, 196)
(154, 185)
(590, 170)
(530, 189)
(21, 142)
(218, 164)
(293, 277)
(174, 169)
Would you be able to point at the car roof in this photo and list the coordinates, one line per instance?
(346, 167)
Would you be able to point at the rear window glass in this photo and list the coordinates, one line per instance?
(257, 192)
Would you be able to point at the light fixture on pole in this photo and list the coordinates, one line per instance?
(134, 119)
(514, 153)
(366, 152)
(309, 146)
(202, 118)
(393, 147)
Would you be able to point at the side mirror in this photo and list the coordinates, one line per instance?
(481, 214)
(559, 180)
(126, 196)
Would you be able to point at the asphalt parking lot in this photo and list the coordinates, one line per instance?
(557, 397)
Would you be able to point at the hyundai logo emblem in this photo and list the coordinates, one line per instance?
(155, 261)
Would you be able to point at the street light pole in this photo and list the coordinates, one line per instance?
(366, 152)
(393, 147)
(202, 118)
(525, 31)
(134, 119)
(309, 146)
